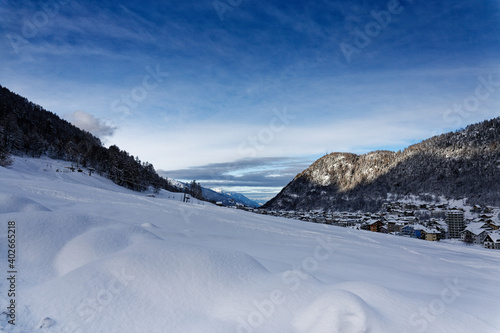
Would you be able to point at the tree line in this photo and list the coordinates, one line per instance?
(27, 129)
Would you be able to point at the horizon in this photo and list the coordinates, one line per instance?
(243, 96)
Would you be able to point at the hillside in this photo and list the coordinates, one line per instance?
(92, 256)
(27, 129)
(462, 164)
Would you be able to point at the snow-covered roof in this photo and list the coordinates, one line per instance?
(425, 229)
(477, 227)
(494, 222)
(495, 236)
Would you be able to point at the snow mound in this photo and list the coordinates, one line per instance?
(96, 243)
(17, 204)
(177, 284)
(337, 311)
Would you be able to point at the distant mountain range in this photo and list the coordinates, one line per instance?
(228, 198)
(456, 165)
(218, 195)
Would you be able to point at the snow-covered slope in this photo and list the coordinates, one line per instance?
(94, 257)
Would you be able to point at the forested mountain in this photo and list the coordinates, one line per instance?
(461, 164)
(28, 129)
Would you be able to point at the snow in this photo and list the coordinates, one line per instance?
(477, 227)
(495, 236)
(95, 257)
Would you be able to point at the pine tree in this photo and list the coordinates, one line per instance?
(195, 189)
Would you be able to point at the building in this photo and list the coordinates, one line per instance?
(455, 222)
(475, 232)
(408, 230)
(432, 236)
(495, 225)
(492, 241)
(375, 226)
(391, 226)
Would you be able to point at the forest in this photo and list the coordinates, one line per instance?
(27, 129)
(464, 164)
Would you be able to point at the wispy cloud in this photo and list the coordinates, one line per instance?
(90, 123)
(259, 178)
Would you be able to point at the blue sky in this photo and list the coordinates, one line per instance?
(243, 94)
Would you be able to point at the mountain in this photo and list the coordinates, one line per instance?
(27, 129)
(217, 195)
(228, 198)
(461, 164)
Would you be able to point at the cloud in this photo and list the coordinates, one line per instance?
(257, 178)
(89, 123)
(255, 172)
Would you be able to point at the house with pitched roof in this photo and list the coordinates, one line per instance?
(492, 241)
(494, 224)
(475, 232)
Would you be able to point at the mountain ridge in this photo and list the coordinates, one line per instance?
(228, 198)
(460, 164)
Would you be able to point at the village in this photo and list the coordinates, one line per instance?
(431, 222)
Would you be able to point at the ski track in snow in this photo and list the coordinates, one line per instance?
(95, 257)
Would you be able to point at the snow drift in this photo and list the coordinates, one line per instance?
(94, 257)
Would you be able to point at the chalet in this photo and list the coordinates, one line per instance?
(485, 217)
(492, 241)
(495, 225)
(476, 209)
(375, 226)
(391, 226)
(475, 232)
(488, 209)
